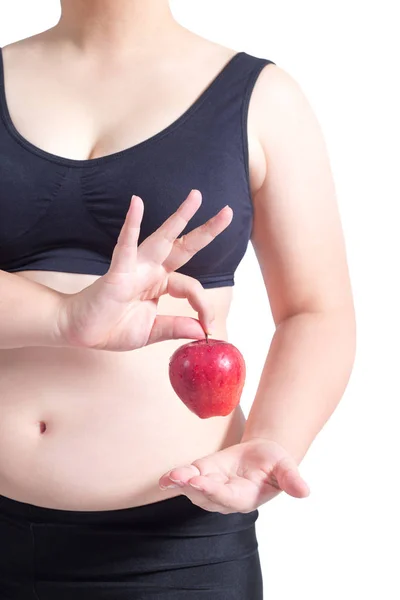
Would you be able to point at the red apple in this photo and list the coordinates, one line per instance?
(208, 376)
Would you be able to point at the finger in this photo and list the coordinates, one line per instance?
(186, 246)
(213, 490)
(125, 251)
(193, 492)
(234, 495)
(182, 475)
(183, 286)
(201, 500)
(289, 479)
(179, 475)
(197, 483)
(157, 246)
(167, 327)
(210, 502)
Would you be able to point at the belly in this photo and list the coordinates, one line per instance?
(94, 430)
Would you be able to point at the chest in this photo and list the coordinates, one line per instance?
(81, 112)
(71, 158)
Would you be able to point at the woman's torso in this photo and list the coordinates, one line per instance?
(113, 423)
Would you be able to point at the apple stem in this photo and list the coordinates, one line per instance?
(207, 338)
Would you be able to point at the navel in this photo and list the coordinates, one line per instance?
(42, 426)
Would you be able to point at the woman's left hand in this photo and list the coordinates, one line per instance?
(239, 478)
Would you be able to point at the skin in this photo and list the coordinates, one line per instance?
(115, 429)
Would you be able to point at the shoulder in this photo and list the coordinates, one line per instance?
(25, 48)
(278, 105)
(275, 82)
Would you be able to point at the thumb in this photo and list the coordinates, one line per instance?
(289, 479)
(167, 327)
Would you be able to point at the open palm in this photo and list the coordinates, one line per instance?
(238, 478)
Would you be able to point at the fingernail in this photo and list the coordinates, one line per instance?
(211, 324)
(196, 487)
(169, 487)
(197, 191)
(177, 482)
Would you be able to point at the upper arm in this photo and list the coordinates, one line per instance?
(297, 234)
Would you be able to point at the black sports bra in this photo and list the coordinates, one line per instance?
(60, 214)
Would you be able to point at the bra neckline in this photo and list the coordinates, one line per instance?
(89, 162)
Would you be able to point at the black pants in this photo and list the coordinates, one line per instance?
(168, 550)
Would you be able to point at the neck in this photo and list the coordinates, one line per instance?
(119, 26)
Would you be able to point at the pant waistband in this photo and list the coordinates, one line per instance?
(170, 512)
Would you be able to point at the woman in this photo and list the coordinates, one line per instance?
(110, 487)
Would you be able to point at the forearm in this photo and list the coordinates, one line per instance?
(305, 375)
(28, 313)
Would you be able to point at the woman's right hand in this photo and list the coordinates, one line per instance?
(118, 312)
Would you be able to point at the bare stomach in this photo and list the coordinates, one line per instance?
(94, 430)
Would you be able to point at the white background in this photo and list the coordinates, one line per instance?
(343, 541)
